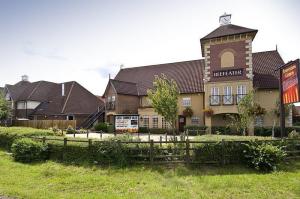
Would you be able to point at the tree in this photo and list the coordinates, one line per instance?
(164, 98)
(5, 109)
(246, 113)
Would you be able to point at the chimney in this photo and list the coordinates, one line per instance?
(24, 78)
(63, 89)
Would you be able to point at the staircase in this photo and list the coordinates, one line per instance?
(92, 118)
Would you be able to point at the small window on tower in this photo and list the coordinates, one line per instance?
(227, 59)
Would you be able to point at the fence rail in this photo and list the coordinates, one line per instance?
(180, 151)
(45, 124)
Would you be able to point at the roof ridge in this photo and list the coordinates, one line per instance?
(64, 107)
(122, 81)
(265, 51)
(177, 62)
(33, 90)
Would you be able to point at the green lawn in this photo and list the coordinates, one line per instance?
(54, 180)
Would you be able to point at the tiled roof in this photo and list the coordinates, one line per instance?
(227, 30)
(77, 100)
(264, 65)
(189, 74)
(126, 88)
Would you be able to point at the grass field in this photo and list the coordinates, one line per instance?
(55, 180)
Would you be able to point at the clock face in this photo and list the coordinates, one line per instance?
(225, 20)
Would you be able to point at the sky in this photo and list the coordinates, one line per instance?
(86, 40)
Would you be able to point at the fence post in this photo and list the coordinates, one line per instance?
(223, 152)
(90, 145)
(166, 137)
(101, 132)
(187, 151)
(87, 134)
(151, 152)
(64, 148)
(44, 140)
(148, 135)
(74, 133)
(187, 134)
(160, 141)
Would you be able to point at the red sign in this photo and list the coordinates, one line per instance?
(290, 83)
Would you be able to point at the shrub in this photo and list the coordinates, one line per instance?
(26, 150)
(195, 130)
(101, 127)
(294, 135)
(9, 134)
(267, 131)
(263, 156)
(70, 130)
(224, 130)
(143, 130)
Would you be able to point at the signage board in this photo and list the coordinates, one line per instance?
(228, 73)
(290, 82)
(127, 123)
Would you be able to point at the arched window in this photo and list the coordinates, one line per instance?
(227, 59)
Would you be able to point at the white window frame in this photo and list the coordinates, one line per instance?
(155, 123)
(215, 96)
(227, 97)
(241, 91)
(146, 117)
(186, 102)
(195, 118)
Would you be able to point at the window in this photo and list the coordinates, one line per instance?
(195, 120)
(241, 92)
(154, 122)
(259, 120)
(227, 97)
(214, 98)
(164, 123)
(186, 101)
(21, 105)
(145, 121)
(109, 98)
(70, 117)
(113, 98)
(227, 59)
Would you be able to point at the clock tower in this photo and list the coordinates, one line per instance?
(228, 73)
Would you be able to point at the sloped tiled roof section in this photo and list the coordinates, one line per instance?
(17, 89)
(188, 75)
(77, 100)
(264, 65)
(227, 30)
(126, 88)
(38, 91)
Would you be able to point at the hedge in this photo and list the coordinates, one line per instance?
(267, 131)
(9, 134)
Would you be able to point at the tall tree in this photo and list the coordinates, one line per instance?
(164, 98)
(5, 109)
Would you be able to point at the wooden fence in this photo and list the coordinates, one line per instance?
(45, 124)
(179, 151)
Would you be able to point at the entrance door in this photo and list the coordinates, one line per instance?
(181, 122)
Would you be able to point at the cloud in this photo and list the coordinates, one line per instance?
(52, 53)
(105, 70)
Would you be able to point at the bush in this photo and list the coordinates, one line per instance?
(195, 130)
(294, 135)
(9, 134)
(70, 130)
(267, 131)
(224, 130)
(26, 150)
(143, 130)
(101, 127)
(263, 156)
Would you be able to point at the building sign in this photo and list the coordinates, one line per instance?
(228, 73)
(126, 123)
(290, 82)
